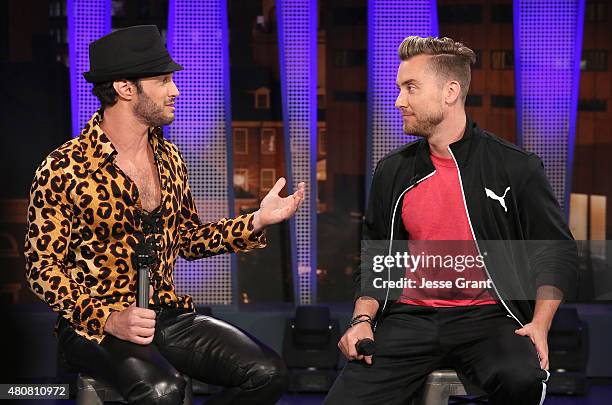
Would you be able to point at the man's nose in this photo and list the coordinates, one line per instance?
(399, 101)
(174, 91)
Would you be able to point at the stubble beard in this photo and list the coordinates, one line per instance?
(425, 126)
(150, 113)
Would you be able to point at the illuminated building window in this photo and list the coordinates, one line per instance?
(267, 179)
(594, 61)
(502, 60)
(262, 98)
(322, 141)
(268, 141)
(241, 179)
(241, 144)
(587, 221)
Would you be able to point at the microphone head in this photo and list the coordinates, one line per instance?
(366, 347)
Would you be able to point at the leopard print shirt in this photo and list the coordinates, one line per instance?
(86, 226)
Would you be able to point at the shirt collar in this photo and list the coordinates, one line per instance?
(462, 149)
(98, 149)
(157, 141)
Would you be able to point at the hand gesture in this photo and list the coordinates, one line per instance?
(274, 208)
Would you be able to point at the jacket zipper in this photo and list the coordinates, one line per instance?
(391, 238)
(467, 213)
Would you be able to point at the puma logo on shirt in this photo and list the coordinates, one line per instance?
(499, 199)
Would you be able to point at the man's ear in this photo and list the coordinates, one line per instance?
(452, 92)
(124, 88)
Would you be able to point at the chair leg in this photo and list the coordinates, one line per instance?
(87, 394)
(188, 391)
(439, 396)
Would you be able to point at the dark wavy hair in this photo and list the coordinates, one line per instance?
(106, 94)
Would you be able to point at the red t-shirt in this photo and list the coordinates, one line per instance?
(434, 211)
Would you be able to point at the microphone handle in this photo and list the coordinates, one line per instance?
(142, 300)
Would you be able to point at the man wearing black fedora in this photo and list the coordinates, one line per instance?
(115, 200)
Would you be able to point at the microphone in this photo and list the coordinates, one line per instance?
(142, 300)
(145, 258)
(366, 347)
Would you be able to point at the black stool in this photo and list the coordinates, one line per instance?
(96, 392)
(442, 384)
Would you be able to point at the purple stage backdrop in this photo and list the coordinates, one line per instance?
(198, 40)
(389, 22)
(297, 38)
(87, 21)
(547, 47)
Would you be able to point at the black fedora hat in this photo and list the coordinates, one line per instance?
(127, 53)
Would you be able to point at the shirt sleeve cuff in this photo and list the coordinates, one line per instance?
(254, 240)
(91, 314)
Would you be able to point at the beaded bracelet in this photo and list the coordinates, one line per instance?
(361, 316)
(360, 319)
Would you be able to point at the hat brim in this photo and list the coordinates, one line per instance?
(149, 71)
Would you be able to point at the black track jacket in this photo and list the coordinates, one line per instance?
(532, 214)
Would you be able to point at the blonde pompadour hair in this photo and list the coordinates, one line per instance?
(449, 59)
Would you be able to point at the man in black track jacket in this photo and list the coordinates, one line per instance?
(464, 184)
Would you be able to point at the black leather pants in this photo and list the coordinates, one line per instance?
(199, 346)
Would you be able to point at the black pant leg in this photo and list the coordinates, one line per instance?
(218, 353)
(407, 351)
(503, 363)
(140, 373)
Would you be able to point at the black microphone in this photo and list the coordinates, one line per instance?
(145, 259)
(366, 347)
(142, 300)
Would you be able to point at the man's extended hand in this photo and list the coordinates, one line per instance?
(136, 325)
(274, 208)
(538, 333)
